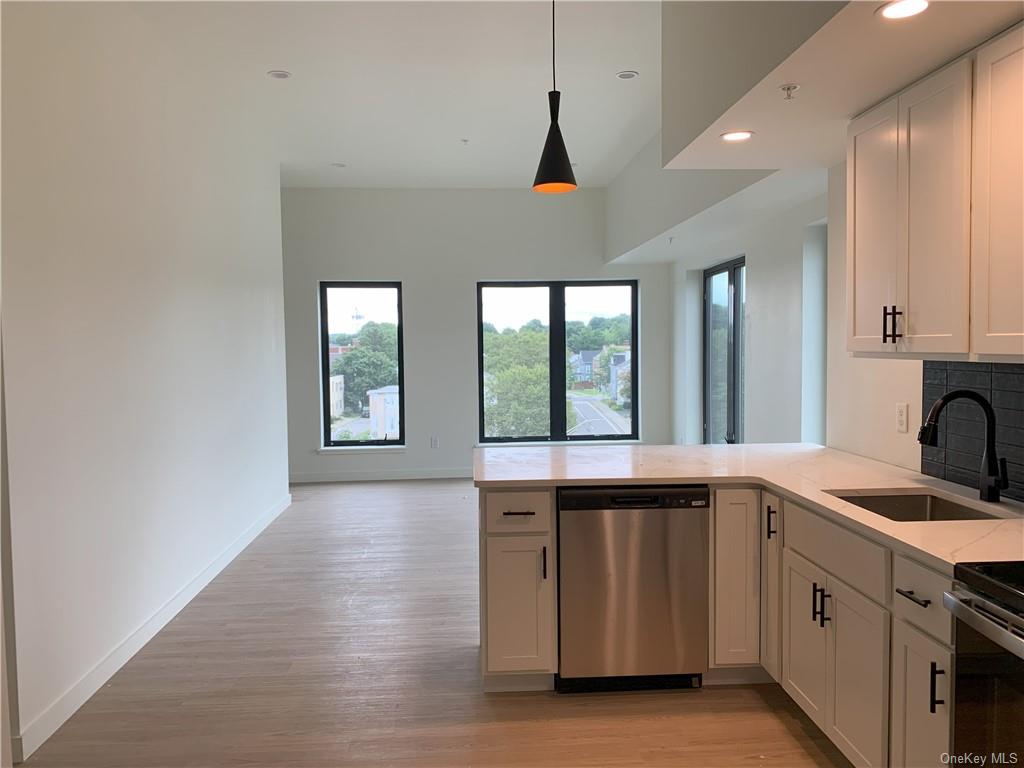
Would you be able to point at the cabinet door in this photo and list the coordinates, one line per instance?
(520, 604)
(997, 301)
(920, 681)
(871, 224)
(933, 236)
(771, 576)
(857, 719)
(737, 577)
(804, 649)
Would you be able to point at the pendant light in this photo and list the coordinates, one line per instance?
(554, 173)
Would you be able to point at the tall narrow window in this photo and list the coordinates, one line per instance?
(361, 363)
(724, 335)
(558, 361)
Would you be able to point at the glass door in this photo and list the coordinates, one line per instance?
(724, 334)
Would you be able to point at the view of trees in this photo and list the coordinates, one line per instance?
(516, 383)
(372, 364)
(598, 332)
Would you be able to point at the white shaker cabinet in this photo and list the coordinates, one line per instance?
(997, 297)
(871, 225)
(520, 621)
(921, 671)
(771, 577)
(908, 219)
(934, 233)
(857, 718)
(737, 575)
(804, 647)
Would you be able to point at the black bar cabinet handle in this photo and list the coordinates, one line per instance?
(814, 600)
(771, 531)
(822, 618)
(544, 562)
(524, 513)
(885, 324)
(924, 602)
(932, 701)
(895, 314)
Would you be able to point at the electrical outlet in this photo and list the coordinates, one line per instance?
(902, 417)
(435, 441)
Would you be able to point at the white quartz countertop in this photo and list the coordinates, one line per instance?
(798, 471)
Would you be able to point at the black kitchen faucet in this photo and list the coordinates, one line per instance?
(992, 478)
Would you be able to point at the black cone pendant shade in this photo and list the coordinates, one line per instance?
(554, 173)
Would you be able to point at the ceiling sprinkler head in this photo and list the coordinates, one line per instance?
(789, 89)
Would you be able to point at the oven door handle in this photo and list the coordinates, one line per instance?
(962, 611)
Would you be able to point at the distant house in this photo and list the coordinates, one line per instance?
(384, 412)
(334, 351)
(337, 395)
(582, 365)
(619, 364)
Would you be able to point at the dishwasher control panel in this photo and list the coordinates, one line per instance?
(632, 497)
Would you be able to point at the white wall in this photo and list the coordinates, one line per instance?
(814, 324)
(142, 328)
(644, 201)
(774, 251)
(863, 392)
(439, 243)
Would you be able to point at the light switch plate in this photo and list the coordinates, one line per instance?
(902, 416)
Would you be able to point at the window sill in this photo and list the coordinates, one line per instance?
(344, 449)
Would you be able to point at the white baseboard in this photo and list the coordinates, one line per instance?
(53, 717)
(737, 676)
(349, 475)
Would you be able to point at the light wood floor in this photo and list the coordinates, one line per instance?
(346, 634)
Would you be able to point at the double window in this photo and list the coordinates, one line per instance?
(361, 363)
(724, 333)
(557, 361)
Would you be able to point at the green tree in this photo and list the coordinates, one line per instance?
(380, 337)
(516, 401)
(364, 369)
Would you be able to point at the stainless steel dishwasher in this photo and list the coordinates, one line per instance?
(633, 587)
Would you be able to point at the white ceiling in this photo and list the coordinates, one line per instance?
(854, 61)
(391, 89)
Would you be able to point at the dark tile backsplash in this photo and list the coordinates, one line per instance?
(957, 457)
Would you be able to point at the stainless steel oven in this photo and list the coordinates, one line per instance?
(987, 602)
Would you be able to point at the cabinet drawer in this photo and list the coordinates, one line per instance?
(913, 584)
(518, 511)
(862, 564)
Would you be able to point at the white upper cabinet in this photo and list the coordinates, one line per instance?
(871, 225)
(933, 235)
(997, 299)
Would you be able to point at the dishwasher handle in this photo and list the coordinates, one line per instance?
(635, 502)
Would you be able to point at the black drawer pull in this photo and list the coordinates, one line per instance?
(771, 531)
(814, 600)
(909, 594)
(822, 618)
(524, 513)
(544, 562)
(932, 701)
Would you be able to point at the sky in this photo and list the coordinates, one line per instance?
(349, 309)
(515, 307)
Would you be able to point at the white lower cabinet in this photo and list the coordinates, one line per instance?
(921, 670)
(771, 589)
(737, 576)
(804, 648)
(835, 659)
(856, 716)
(520, 608)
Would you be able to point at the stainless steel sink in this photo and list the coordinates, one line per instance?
(913, 508)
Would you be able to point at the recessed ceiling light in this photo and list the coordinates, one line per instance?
(279, 74)
(338, 165)
(737, 135)
(901, 9)
(627, 74)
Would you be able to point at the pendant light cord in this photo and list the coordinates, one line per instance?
(553, 88)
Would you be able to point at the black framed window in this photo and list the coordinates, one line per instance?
(558, 360)
(724, 332)
(362, 383)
